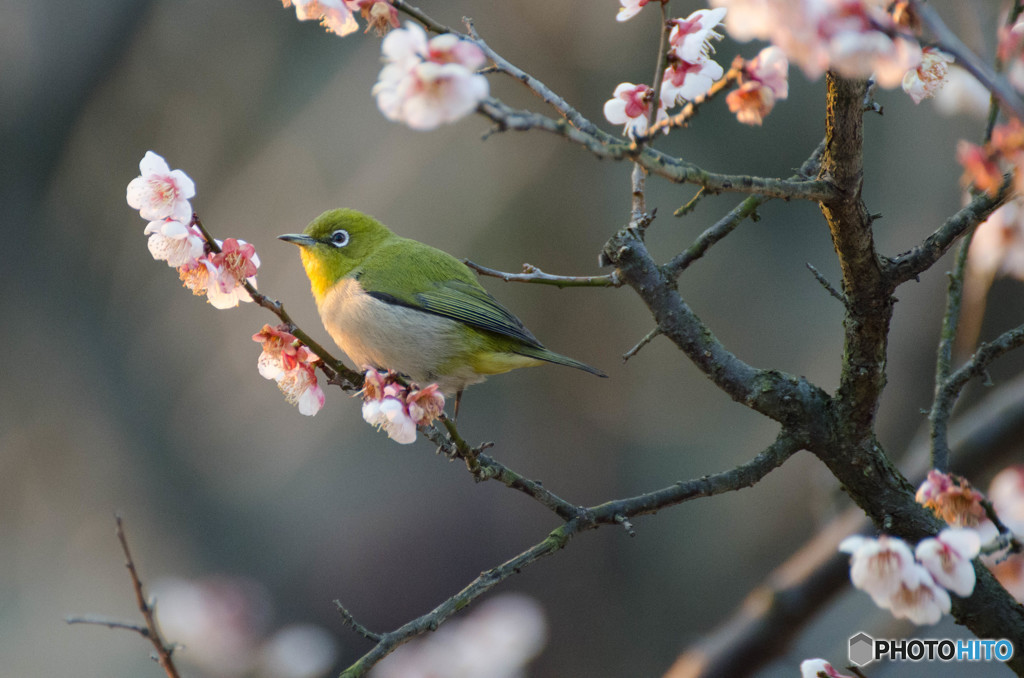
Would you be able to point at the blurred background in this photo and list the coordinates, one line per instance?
(121, 392)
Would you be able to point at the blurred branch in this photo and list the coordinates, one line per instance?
(150, 631)
(532, 274)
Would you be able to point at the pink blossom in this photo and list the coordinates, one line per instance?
(292, 365)
(686, 81)
(751, 102)
(630, 8)
(690, 38)
(929, 77)
(998, 245)
(174, 242)
(159, 192)
(952, 499)
(235, 263)
(334, 15)
(770, 68)
(878, 566)
(380, 15)
(962, 94)
(813, 668)
(919, 598)
(397, 409)
(1006, 492)
(849, 36)
(428, 83)
(631, 106)
(948, 556)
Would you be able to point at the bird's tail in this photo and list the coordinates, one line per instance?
(541, 353)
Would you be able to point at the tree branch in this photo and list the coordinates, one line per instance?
(655, 162)
(911, 264)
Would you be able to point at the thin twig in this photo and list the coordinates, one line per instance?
(826, 284)
(110, 624)
(611, 513)
(347, 617)
(643, 342)
(532, 274)
(724, 226)
(938, 418)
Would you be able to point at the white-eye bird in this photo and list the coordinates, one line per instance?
(394, 303)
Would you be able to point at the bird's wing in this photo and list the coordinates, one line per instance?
(443, 286)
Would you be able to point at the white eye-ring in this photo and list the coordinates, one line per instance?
(339, 238)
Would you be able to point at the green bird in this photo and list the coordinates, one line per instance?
(394, 303)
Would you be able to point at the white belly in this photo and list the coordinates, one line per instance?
(377, 334)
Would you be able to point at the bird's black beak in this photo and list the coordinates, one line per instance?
(300, 239)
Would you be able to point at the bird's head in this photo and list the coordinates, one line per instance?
(336, 243)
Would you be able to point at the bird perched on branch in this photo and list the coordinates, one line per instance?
(394, 303)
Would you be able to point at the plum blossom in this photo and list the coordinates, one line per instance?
(630, 106)
(919, 598)
(686, 81)
(298, 651)
(334, 15)
(160, 192)
(947, 557)
(292, 365)
(380, 15)
(962, 94)
(878, 566)
(848, 36)
(690, 38)
(929, 77)
(998, 244)
(630, 8)
(174, 242)
(228, 269)
(397, 409)
(1006, 492)
(428, 83)
(763, 81)
(813, 668)
(952, 499)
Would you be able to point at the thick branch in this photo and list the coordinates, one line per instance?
(790, 400)
(867, 291)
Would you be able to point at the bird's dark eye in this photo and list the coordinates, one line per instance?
(339, 238)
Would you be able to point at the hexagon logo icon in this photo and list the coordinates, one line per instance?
(862, 649)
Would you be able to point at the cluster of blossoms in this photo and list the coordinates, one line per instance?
(396, 408)
(338, 16)
(225, 624)
(426, 83)
(852, 37)
(162, 196)
(984, 165)
(691, 71)
(292, 365)
(915, 584)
